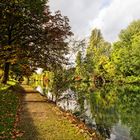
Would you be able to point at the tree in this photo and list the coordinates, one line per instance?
(126, 52)
(53, 47)
(126, 35)
(78, 64)
(94, 43)
(80, 69)
(97, 55)
(29, 30)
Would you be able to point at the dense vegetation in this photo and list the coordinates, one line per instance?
(31, 36)
(117, 62)
(101, 62)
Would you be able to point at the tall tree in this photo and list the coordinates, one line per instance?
(126, 53)
(97, 53)
(29, 30)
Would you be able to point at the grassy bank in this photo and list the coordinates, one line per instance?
(42, 120)
(34, 117)
(9, 102)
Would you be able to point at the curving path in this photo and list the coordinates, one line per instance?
(42, 120)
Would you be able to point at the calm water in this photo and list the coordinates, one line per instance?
(113, 111)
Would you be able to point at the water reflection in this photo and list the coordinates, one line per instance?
(112, 110)
(68, 101)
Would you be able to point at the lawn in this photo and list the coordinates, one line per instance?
(9, 102)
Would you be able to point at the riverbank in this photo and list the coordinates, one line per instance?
(42, 120)
(26, 115)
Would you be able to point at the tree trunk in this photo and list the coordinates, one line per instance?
(28, 80)
(6, 73)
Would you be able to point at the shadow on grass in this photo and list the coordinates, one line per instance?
(8, 108)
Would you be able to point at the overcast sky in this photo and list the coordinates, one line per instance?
(108, 15)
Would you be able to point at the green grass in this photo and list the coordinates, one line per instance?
(42, 120)
(38, 120)
(9, 102)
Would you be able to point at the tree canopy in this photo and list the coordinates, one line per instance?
(126, 52)
(109, 62)
(29, 30)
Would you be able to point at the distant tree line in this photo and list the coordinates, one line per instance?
(106, 62)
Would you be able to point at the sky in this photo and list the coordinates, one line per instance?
(108, 15)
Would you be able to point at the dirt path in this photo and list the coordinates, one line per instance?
(42, 120)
